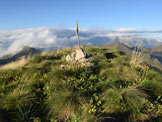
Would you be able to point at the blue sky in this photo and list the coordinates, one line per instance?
(110, 14)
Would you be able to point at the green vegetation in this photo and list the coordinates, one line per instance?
(111, 90)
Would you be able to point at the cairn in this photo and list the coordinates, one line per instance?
(79, 55)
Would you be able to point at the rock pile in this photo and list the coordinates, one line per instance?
(79, 56)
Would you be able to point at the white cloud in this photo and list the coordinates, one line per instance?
(50, 40)
(126, 29)
(14, 41)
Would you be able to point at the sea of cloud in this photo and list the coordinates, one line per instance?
(46, 37)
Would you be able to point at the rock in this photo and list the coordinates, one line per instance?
(79, 54)
(73, 55)
(62, 66)
(68, 58)
(82, 60)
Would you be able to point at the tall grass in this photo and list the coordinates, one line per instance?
(111, 90)
(65, 104)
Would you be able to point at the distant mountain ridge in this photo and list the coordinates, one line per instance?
(24, 52)
(98, 41)
(152, 56)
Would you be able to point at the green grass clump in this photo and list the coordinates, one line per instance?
(155, 88)
(124, 100)
(111, 90)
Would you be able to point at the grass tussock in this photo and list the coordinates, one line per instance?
(111, 90)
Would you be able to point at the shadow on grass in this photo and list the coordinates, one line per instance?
(110, 55)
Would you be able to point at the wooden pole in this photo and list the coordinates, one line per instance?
(77, 33)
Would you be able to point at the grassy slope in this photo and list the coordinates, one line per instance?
(152, 56)
(112, 90)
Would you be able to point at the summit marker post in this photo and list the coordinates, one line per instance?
(77, 33)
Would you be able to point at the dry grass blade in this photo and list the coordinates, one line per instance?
(137, 57)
